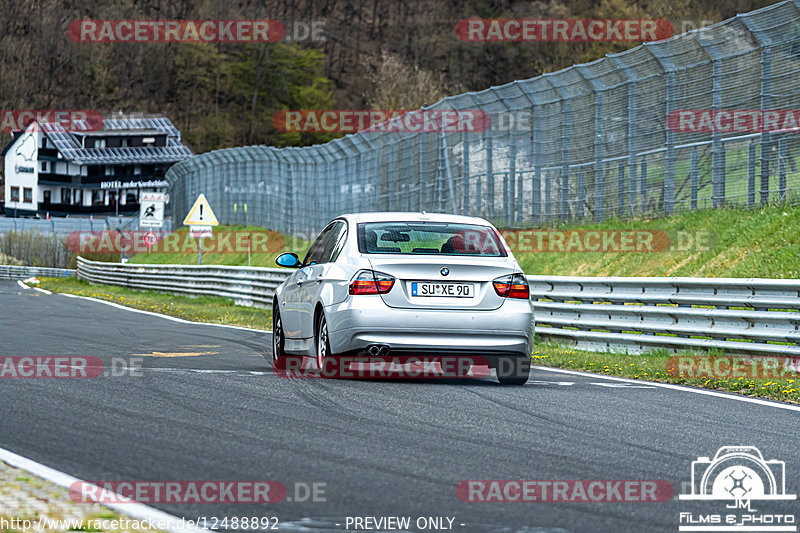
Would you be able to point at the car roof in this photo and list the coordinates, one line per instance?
(413, 217)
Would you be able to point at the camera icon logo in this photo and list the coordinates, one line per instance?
(738, 473)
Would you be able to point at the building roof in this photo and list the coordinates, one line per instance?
(69, 145)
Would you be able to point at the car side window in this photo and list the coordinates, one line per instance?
(314, 254)
(335, 243)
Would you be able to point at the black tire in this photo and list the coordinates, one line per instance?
(514, 370)
(280, 359)
(322, 346)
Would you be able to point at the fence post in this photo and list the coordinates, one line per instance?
(693, 177)
(581, 195)
(782, 169)
(536, 186)
(489, 176)
(514, 199)
(565, 161)
(751, 174)
(621, 188)
(643, 182)
(465, 178)
(669, 157)
(766, 142)
(598, 157)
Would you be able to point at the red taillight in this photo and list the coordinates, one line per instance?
(369, 282)
(512, 286)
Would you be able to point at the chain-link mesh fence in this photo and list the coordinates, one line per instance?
(589, 142)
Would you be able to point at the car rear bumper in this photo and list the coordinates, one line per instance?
(357, 323)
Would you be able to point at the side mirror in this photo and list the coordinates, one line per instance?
(288, 260)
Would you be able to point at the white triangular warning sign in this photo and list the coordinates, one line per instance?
(201, 214)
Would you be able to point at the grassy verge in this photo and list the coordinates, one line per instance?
(737, 243)
(198, 309)
(654, 365)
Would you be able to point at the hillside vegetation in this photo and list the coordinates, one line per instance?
(732, 243)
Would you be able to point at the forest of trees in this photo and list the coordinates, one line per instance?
(377, 54)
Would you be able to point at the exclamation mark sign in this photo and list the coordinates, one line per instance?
(201, 211)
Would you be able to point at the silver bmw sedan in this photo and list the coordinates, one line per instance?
(393, 285)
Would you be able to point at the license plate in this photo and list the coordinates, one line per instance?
(445, 290)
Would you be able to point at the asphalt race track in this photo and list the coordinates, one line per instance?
(381, 447)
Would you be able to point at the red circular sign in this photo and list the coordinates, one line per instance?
(150, 238)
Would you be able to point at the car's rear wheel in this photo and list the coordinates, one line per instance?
(324, 354)
(513, 370)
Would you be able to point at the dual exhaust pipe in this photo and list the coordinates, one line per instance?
(378, 350)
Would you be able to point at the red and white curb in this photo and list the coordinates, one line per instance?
(154, 518)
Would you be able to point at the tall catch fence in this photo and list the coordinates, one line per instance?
(589, 142)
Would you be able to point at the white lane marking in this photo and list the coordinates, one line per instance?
(622, 386)
(22, 285)
(126, 506)
(44, 291)
(560, 383)
(167, 317)
(705, 392)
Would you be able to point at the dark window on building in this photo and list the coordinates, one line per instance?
(97, 197)
(66, 195)
(15, 194)
(27, 195)
(47, 197)
(130, 198)
(44, 166)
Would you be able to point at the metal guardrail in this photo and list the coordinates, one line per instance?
(65, 226)
(25, 272)
(248, 286)
(635, 314)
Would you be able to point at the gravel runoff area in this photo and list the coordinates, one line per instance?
(29, 503)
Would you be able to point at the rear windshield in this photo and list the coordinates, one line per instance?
(429, 238)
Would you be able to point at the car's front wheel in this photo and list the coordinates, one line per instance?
(513, 370)
(279, 356)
